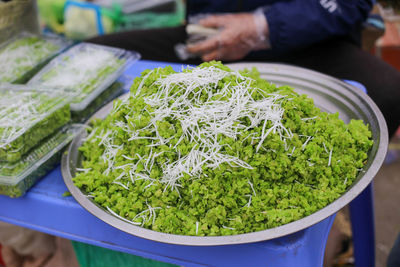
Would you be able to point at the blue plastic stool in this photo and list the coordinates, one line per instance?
(362, 219)
(363, 227)
(303, 248)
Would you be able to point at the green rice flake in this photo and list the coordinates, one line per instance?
(209, 151)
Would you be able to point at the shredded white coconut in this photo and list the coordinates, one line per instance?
(203, 122)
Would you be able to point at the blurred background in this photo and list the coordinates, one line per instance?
(79, 20)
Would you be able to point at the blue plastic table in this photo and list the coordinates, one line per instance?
(44, 209)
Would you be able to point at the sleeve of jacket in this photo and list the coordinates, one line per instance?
(298, 23)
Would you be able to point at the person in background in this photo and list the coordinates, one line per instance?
(322, 35)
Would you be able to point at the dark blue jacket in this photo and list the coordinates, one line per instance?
(296, 23)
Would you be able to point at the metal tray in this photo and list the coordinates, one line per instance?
(329, 94)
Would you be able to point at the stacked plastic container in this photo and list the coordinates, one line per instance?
(30, 119)
(36, 119)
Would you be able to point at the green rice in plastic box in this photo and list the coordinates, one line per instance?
(28, 115)
(16, 178)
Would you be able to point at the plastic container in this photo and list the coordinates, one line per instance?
(22, 56)
(27, 116)
(85, 70)
(16, 178)
(115, 90)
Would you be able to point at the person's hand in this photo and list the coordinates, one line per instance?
(239, 34)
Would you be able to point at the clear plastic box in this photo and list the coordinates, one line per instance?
(27, 116)
(16, 178)
(112, 92)
(22, 56)
(85, 70)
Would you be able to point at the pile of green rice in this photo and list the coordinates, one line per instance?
(209, 152)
